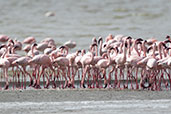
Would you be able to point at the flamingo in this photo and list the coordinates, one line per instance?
(29, 40)
(62, 63)
(5, 64)
(121, 59)
(23, 62)
(4, 38)
(27, 48)
(104, 64)
(45, 62)
(70, 44)
(86, 60)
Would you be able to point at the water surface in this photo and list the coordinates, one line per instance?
(91, 107)
(80, 20)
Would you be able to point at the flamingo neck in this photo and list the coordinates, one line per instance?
(96, 51)
(154, 50)
(144, 49)
(13, 50)
(129, 48)
(124, 52)
(100, 49)
(92, 56)
(5, 52)
(32, 51)
(136, 49)
(109, 58)
(159, 49)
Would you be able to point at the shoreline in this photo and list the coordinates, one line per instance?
(60, 95)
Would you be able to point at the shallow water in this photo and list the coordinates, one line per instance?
(80, 20)
(93, 107)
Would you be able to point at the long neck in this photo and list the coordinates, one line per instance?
(159, 49)
(124, 51)
(129, 48)
(154, 50)
(109, 58)
(144, 49)
(136, 48)
(92, 57)
(121, 48)
(67, 50)
(100, 49)
(96, 50)
(32, 51)
(13, 50)
(5, 52)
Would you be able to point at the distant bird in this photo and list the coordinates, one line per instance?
(4, 38)
(27, 48)
(70, 44)
(29, 40)
(49, 14)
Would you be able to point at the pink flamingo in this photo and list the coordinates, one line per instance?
(70, 44)
(4, 38)
(5, 64)
(86, 60)
(62, 63)
(120, 60)
(23, 62)
(45, 62)
(29, 40)
(103, 64)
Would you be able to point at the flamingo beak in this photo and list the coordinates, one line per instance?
(100, 39)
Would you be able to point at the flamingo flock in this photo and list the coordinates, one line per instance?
(119, 61)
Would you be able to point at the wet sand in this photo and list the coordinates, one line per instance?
(60, 95)
(83, 101)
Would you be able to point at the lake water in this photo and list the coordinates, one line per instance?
(89, 107)
(80, 20)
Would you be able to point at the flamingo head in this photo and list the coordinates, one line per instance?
(2, 46)
(79, 51)
(16, 46)
(62, 47)
(139, 42)
(100, 39)
(11, 41)
(129, 37)
(139, 39)
(94, 40)
(167, 41)
(148, 50)
(34, 45)
(94, 44)
(168, 37)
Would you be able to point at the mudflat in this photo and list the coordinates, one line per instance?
(59, 95)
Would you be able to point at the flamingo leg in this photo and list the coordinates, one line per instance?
(109, 78)
(64, 75)
(47, 80)
(116, 78)
(31, 79)
(168, 74)
(38, 79)
(73, 76)
(68, 75)
(136, 79)
(6, 76)
(84, 75)
(13, 76)
(105, 79)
